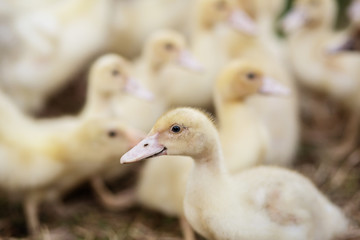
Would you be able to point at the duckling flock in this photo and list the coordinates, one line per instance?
(224, 177)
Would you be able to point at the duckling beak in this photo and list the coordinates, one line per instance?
(354, 12)
(187, 60)
(147, 148)
(242, 22)
(294, 20)
(134, 88)
(270, 86)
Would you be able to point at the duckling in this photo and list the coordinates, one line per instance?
(161, 185)
(309, 27)
(239, 124)
(235, 42)
(43, 164)
(48, 45)
(133, 22)
(164, 55)
(260, 203)
(264, 15)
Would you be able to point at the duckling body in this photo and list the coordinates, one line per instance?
(260, 203)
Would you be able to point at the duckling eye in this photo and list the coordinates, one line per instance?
(112, 133)
(175, 129)
(251, 76)
(220, 5)
(169, 46)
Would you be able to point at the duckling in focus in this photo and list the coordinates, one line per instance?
(161, 185)
(37, 167)
(309, 26)
(260, 203)
(48, 45)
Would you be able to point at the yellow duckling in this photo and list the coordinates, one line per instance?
(260, 203)
(161, 185)
(36, 167)
(49, 44)
(239, 124)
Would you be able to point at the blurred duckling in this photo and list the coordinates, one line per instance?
(309, 26)
(260, 203)
(50, 44)
(238, 43)
(239, 124)
(40, 162)
(133, 22)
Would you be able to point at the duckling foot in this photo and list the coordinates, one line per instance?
(187, 231)
(31, 204)
(120, 201)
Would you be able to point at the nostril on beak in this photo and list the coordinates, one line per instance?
(146, 144)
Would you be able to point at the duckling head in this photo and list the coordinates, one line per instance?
(111, 75)
(310, 14)
(241, 79)
(105, 138)
(182, 131)
(210, 13)
(168, 46)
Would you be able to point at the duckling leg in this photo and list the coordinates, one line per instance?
(187, 231)
(31, 204)
(349, 141)
(109, 200)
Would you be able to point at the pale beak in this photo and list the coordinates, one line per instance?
(132, 87)
(346, 46)
(187, 60)
(354, 11)
(294, 20)
(270, 86)
(242, 22)
(147, 148)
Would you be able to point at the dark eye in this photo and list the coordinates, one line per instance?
(112, 133)
(115, 73)
(169, 46)
(175, 129)
(220, 5)
(251, 76)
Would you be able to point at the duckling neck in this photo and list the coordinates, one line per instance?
(95, 102)
(231, 113)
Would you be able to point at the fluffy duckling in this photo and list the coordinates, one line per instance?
(161, 185)
(50, 44)
(261, 203)
(165, 54)
(309, 26)
(134, 21)
(264, 15)
(62, 149)
(45, 164)
(239, 124)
